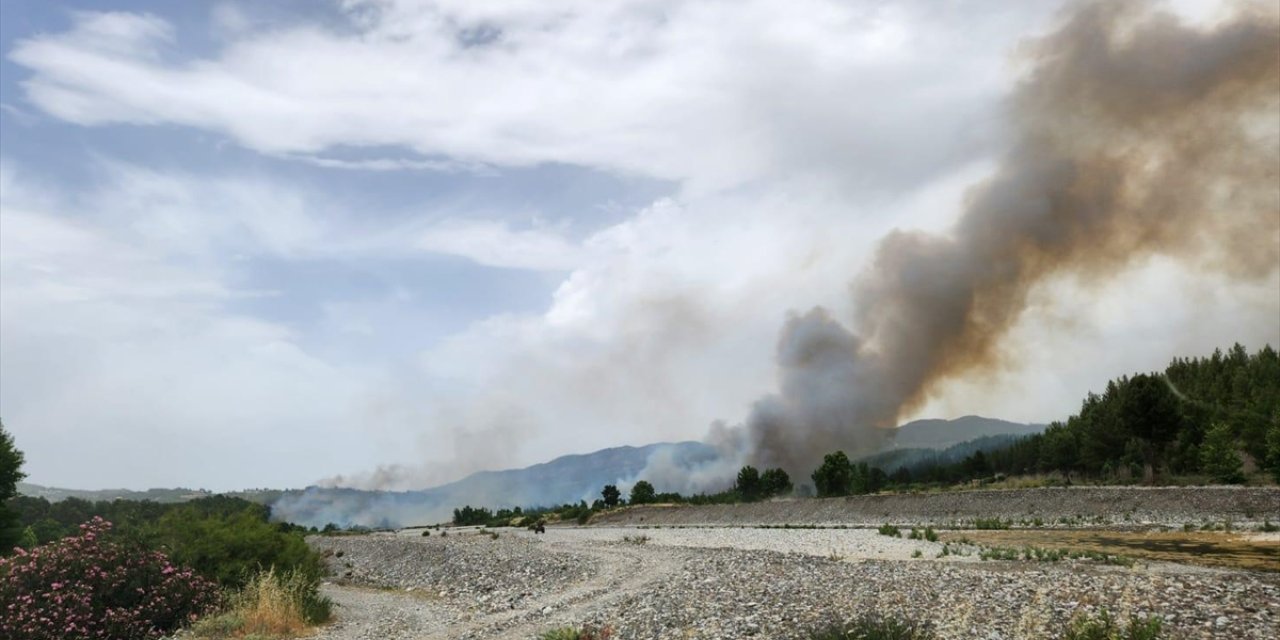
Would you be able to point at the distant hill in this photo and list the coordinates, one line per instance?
(940, 434)
(915, 458)
(166, 496)
(54, 494)
(566, 479)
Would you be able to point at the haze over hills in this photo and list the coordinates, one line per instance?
(941, 434)
(566, 479)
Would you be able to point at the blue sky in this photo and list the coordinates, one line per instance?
(263, 244)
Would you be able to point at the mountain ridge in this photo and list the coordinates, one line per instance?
(565, 479)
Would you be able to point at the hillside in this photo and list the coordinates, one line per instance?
(55, 494)
(940, 434)
(571, 478)
(567, 479)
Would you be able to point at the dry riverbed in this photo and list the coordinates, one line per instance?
(727, 582)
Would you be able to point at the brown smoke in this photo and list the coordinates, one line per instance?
(1134, 135)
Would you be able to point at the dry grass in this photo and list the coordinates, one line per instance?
(272, 605)
(1206, 548)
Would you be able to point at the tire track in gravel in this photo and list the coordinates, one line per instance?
(624, 569)
(367, 613)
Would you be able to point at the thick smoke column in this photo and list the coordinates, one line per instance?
(1134, 135)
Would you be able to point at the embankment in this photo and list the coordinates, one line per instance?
(1075, 506)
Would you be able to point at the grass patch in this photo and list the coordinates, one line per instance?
(991, 523)
(271, 605)
(1105, 627)
(575, 633)
(889, 530)
(875, 627)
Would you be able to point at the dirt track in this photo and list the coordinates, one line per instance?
(730, 582)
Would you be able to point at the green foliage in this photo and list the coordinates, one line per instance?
(575, 633)
(875, 627)
(611, 495)
(1105, 627)
(11, 459)
(1148, 427)
(230, 545)
(776, 482)
(991, 523)
(642, 493)
(748, 484)
(1218, 455)
(469, 516)
(889, 530)
(835, 476)
(1273, 447)
(223, 538)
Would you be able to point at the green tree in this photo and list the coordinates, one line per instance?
(611, 495)
(775, 482)
(835, 476)
(642, 493)
(1218, 455)
(1273, 447)
(11, 460)
(748, 483)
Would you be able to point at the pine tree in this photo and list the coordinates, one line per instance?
(1218, 455)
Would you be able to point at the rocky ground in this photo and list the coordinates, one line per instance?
(1051, 506)
(748, 582)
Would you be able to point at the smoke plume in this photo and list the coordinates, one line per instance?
(1134, 135)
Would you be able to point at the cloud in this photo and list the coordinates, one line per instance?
(494, 244)
(712, 94)
(124, 365)
(796, 135)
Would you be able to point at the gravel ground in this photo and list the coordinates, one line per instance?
(736, 582)
(846, 544)
(1054, 506)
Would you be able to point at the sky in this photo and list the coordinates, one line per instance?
(389, 243)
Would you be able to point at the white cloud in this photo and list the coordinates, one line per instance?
(713, 94)
(122, 365)
(797, 132)
(494, 244)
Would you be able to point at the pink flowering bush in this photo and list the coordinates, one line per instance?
(83, 587)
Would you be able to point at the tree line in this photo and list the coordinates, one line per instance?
(1201, 419)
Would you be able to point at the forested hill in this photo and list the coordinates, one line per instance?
(1214, 417)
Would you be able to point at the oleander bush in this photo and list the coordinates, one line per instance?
(84, 587)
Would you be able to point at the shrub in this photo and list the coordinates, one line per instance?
(991, 523)
(930, 534)
(272, 604)
(889, 530)
(230, 542)
(86, 587)
(875, 627)
(1104, 627)
(573, 633)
